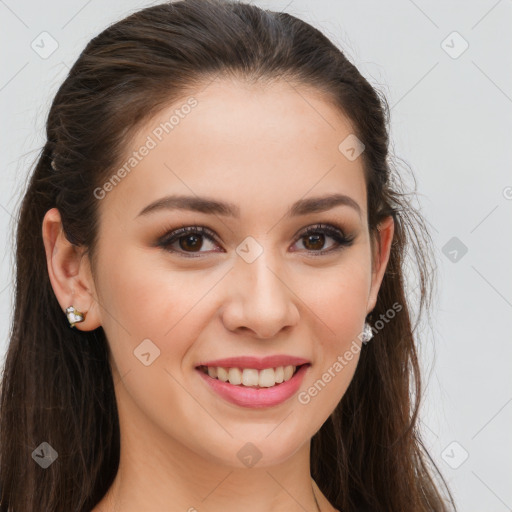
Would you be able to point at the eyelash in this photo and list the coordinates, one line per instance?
(332, 231)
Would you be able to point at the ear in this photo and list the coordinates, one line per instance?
(380, 258)
(69, 271)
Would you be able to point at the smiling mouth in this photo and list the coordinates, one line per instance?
(251, 377)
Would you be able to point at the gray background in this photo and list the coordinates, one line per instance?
(451, 122)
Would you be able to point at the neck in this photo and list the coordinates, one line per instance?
(159, 472)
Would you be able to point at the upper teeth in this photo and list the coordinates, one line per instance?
(251, 377)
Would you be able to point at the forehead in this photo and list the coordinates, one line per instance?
(254, 144)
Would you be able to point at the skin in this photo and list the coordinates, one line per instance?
(261, 148)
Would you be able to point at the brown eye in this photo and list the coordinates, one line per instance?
(190, 240)
(315, 237)
(314, 242)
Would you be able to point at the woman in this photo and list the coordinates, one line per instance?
(210, 310)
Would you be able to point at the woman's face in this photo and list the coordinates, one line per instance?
(251, 284)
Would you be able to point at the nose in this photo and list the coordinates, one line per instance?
(260, 298)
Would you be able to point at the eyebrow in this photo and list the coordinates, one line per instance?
(214, 207)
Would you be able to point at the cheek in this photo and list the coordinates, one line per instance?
(337, 296)
(152, 301)
(150, 327)
(336, 300)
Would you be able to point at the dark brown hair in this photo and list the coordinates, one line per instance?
(57, 384)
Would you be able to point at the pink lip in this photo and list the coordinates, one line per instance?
(257, 363)
(253, 398)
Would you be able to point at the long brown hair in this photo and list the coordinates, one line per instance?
(57, 385)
